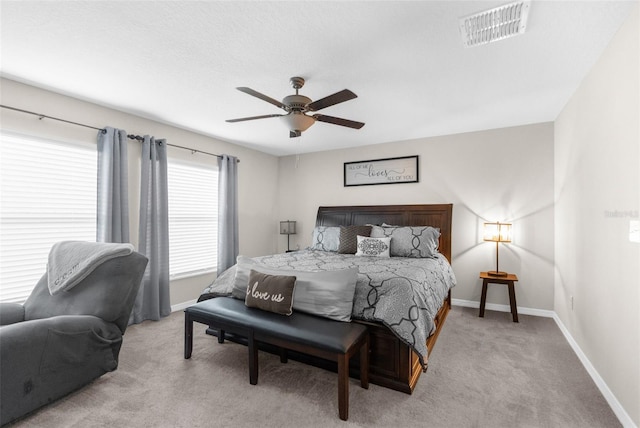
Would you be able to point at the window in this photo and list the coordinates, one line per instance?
(193, 217)
(47, 194)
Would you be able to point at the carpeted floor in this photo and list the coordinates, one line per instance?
(487, 372)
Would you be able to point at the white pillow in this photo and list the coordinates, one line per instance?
(377, 247)
(327, 294)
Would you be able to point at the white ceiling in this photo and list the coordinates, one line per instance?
(178, 62)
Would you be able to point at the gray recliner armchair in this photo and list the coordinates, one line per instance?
(55, 344)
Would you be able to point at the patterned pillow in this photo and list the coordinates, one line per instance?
(273, 293)
(348, 238)
(410, 241)
(378, 247)
(325, 238)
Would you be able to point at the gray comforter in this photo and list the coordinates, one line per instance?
(404, 294)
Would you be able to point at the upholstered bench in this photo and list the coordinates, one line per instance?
(309, 334)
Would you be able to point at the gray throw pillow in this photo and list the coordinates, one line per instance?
(327, 294)
(325, 238)
(410, 241)
(273, 293)
(349, 238)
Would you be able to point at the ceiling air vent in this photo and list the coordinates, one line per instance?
(494, 24)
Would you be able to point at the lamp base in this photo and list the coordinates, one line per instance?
(497, 273)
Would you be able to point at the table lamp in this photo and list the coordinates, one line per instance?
(497, 232)
(288, 228)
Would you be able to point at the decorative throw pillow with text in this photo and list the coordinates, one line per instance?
(273, 293)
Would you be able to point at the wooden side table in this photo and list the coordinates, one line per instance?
(509, 280)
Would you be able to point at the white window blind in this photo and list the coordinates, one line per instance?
(47, 194)
(193, 218)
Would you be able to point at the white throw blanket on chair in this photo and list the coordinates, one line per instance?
(72, 261)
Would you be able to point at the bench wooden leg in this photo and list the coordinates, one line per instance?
(364, 363)
(253, 360)
(343, 386)
(188, 336)
(284, 357)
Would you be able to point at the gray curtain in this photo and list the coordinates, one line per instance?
(152, 301)
(113, 197)
(228, 243)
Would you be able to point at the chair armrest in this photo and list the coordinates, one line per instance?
(45, 359)
(11, 313)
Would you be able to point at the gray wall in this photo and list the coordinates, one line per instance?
(497, 175)
(597, 191)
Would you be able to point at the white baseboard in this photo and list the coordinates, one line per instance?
(615, 405)
(182, 306)
(613, 402)
(504, 308)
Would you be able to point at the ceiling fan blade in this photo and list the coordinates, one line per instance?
(338, 121)
(263, 97)
(242, 119)
(294, 134)
(337, 98)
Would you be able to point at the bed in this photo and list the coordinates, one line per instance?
(402, 301)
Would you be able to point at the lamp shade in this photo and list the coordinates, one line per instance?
(287, 227)
(497, 232)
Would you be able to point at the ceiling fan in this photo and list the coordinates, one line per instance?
(297, 106)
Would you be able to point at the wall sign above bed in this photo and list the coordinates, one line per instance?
(381, 171)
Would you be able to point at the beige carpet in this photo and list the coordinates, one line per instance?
(483, 373)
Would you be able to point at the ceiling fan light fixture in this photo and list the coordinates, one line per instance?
(297, 105)
(494, 24)
(297, 121)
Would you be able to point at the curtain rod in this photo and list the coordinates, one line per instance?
(133, 137)
(140, 138)
(42, 116)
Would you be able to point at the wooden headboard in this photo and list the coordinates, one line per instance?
(401, 215)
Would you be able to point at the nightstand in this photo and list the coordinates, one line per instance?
(509, 280)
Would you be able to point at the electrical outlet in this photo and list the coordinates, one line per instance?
(634, 231)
